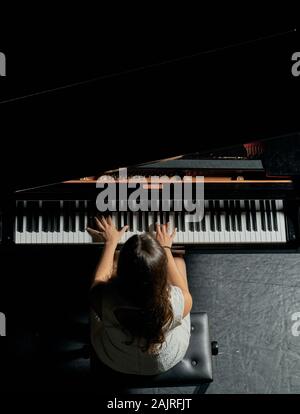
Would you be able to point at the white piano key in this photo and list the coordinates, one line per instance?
(44, 235)
(71, 233)
(206, 235)
(221, 234)
(122, 220)
(128, 220)
(258, 223)
(59, 238)
(77, 231)
(164, 217)
(273, 232)
(113, 216)
(135, 224)
(151, 224)
(145, 225)
(243, 236)
(39, 232)
(184, 228)
(179, 228)
(33, 233)
(281, 220)
(190, 233)
(17, 233)
(259, 237)
(23, 231)
(27, 234)
(252, 232)
(172, 225)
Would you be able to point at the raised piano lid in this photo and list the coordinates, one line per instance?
(46, 145)
(252, 162)
(198, 104)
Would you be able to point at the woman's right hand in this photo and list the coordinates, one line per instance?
(163, 236)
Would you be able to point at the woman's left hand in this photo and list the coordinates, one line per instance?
(106, 231)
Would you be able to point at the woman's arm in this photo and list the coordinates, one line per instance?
(107, 232)
(174, 276)
(105, 265)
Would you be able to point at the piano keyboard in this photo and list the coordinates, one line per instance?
(224, 222)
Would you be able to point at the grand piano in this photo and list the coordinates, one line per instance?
(251, 201)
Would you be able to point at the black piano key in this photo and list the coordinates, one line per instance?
(167, 216)
(131, 213)
(262, 212)
(49, 216)
(29, 216)
(274, 216)
(35, 216)
(73, 216)
(155, 217)
(20, 218)
(182, 218)
(253, 215)
(176, 221)
(91, 213)
(232, 215)
(268, 214)
(179, 222)
(227, 216)
(218, 215)
(238, 215)
(197, 224)
(161, 215)
(81, 215)
(125, 220)
(56, 212)
(52, 218)
(66, 212)
(140, 222)
(191, 225)
(119, 215)
(44, 216)
(248, 218)
(203, 225)
(146, 220)
(54, 221)
(211, 215)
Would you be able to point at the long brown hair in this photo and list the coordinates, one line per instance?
(142, 281)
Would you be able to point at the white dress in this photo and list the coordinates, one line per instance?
(109, 340)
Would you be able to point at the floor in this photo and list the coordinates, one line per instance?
(250, 300)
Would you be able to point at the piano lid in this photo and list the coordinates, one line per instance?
(197, 104)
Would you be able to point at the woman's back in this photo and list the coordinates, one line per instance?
(140, 319)
(115, 346)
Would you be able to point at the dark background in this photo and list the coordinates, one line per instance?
(167, 85)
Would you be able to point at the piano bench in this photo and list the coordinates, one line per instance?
(194, 370)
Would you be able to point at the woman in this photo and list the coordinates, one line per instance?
(141, 305)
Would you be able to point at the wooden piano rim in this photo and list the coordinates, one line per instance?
(208, 181)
